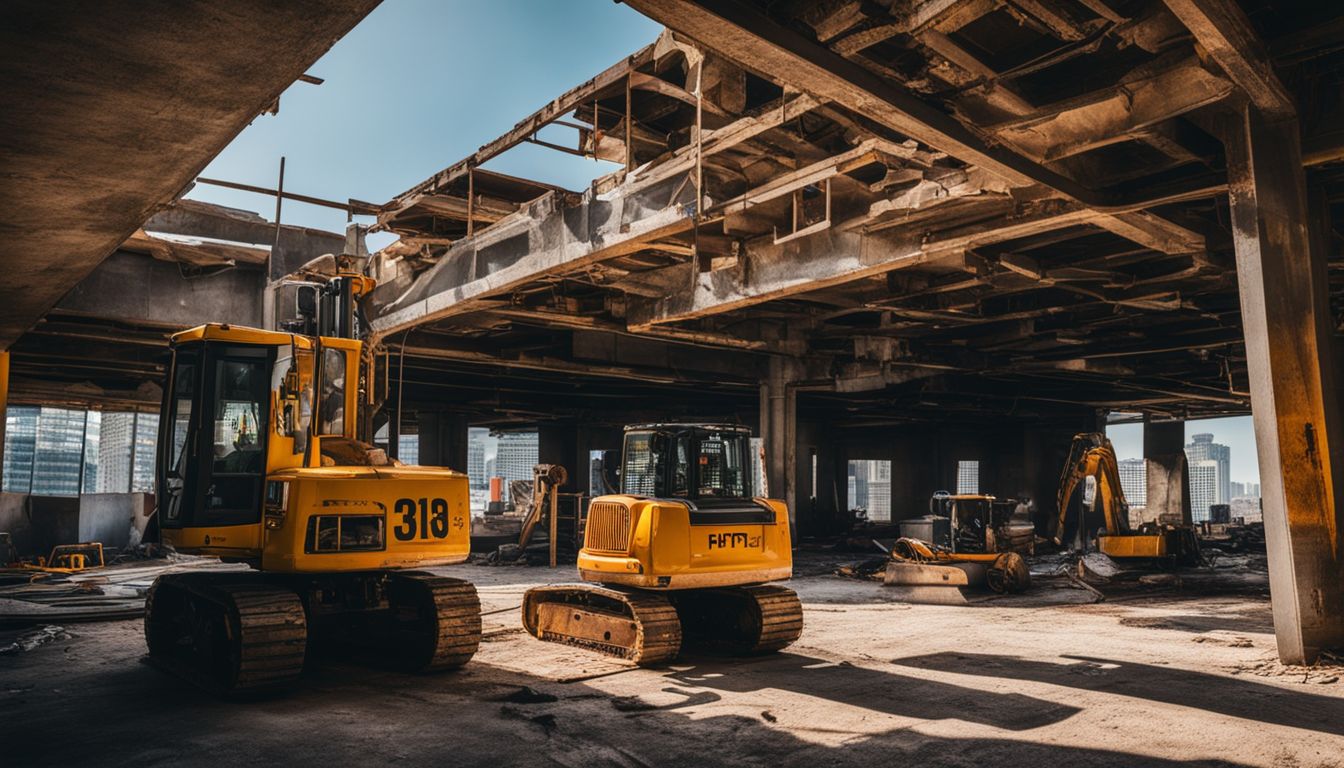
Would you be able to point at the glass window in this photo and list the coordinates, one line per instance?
(968, 477)
(681, 473)
(292, 388)
(333, 392)
(869, 488)
(642, 463)
(720, 465)
(238, 462)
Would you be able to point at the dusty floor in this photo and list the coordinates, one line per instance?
(1146, 679)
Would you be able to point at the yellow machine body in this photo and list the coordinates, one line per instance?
(1092, 457)
(1132, 545)
(680, 557)
(309, 514)
(659, 544)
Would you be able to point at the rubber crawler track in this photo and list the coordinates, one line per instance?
(447, 619)
(248, 635)
(658, 630)
(745, 620)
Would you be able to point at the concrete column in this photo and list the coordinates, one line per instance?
(443, 439)
(1168, 489)
(559, 444)
(1294, 398)
(779, 418)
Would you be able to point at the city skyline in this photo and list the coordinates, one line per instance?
(1236, 432)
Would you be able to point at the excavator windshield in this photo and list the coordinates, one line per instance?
(688, 462)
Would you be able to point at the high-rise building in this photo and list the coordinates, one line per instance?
(114, 452)
(1238, 490)
(1202, 448)
(1134, 481)
(93, 423)
(476, 458)
(146, 446)
(869, 487)
(408, 449)
(515, 455)
(1206, 480)
(20, 445)
(58, 452)
(1252, 490)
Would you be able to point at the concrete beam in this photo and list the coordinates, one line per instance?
(833, 257)
(108, 111)
(743, 33)
(548, 236)
(1285, 314)
(1222, 29)
(1126, 110)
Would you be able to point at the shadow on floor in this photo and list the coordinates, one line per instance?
(467, 718)
(1233, 696)
(1203, 623)
(890, 693)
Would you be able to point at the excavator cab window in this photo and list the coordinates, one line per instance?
(721, 465)
(686, 463)
(332, 402)
(215, 434)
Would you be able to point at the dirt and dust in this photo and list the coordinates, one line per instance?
(1169, 678)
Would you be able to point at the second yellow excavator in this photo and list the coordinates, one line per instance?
(1093, 473)
(680, 556)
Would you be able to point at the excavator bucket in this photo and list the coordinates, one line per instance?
(934, 583)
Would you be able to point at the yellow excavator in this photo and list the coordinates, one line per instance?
(1092, 473)
(259, 463)
(680, 556)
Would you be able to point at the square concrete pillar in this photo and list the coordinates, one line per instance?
(1281, 273)
(1165, 466)
(779, 418)
(443, 439)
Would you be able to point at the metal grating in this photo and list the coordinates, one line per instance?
(608, 528)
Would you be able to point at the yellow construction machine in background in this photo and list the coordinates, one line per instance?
(680, 557)
(259, 462)
(1092, 476)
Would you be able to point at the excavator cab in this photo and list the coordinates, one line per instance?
(682, 553)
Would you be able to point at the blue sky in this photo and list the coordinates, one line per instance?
(1236, 432)
(417, 86)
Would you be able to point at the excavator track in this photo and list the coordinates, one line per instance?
(742, 621)
(641, 627)
(226, 633)
(436, 621)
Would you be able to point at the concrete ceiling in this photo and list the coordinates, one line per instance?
(108, 110)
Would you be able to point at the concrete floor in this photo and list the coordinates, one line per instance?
(1147, 679)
